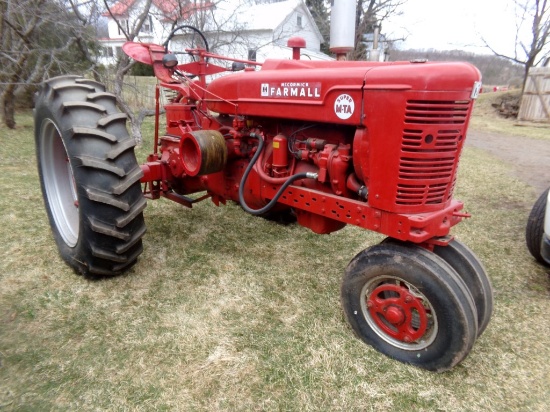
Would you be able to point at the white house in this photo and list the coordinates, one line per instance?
(238, 29)
(112, 41)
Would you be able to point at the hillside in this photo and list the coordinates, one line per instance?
(494, 70)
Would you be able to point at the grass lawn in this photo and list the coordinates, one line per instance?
(225, 311)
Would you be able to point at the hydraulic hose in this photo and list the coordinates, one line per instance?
(273, 202)
(266, 177)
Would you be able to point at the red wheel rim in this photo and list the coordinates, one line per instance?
(399, 313)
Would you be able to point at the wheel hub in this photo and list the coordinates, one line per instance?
(397, 312)
(395, 315)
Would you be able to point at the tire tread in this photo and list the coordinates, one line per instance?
(100, 164)
(88, 131)
(106, 174)
(120, 148)
(129, 180)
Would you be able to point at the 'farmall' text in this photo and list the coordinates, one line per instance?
(291, 90)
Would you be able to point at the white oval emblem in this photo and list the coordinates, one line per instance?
(344, 106)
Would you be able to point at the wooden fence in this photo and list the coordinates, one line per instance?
(535, 102)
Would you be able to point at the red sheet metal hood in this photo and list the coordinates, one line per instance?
(329, 91)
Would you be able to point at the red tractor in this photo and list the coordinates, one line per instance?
(376, 145)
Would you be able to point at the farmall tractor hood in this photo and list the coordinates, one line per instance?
(331, 92)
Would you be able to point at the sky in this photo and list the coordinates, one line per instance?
(458, 24)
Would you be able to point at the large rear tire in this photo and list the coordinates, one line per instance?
(409, 304)
(89, 176)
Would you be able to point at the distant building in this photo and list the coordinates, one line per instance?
(255, 32)
(382, 47)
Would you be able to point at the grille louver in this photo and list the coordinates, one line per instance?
(429, 151)
(436, 112)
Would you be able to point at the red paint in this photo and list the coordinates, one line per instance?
(402, 315)
(383, 139)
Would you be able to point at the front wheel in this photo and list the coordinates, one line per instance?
(468, 267)
(89, 176)
(472, 272)
(410, 305)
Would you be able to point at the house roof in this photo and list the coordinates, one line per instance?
(269, 15)
(166, 7)
(265, 16)
(258, 17)
(120, 9)
(262, 16)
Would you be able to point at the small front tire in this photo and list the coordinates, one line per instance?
(472, 272)
(409, 304)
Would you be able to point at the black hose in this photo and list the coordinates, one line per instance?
(273, 201)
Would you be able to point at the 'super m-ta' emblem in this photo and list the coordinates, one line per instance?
(344, 106)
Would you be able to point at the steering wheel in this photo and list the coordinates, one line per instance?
(185, 37)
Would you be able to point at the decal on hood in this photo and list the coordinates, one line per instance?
(344, 106)
(291, 90)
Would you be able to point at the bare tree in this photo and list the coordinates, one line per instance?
(369, 14)
(39, 38)
(532, 41)
(221, 22)
(226, 25)
(218, 27)
(319, 11)
(130, 21)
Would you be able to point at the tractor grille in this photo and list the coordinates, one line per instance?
(430, 149)
(436, 112)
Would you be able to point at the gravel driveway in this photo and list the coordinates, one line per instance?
(529, 158)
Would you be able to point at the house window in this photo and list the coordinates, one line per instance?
(122, 24)
(299, 21)
(119, 52)
(147, 25)
(107, 51)
(252, 55)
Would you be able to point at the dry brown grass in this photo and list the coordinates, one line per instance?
(227, 312)
(486, 119)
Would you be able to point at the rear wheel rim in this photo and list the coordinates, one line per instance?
(59, 183)
(398, 313)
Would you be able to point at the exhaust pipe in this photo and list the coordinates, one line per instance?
(342, 27)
